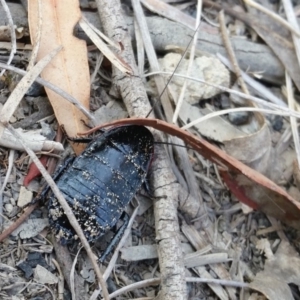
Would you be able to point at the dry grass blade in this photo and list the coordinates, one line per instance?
(55, 89)
(114, 258)
(101, 35)
(12, 34)
(72, 275)
(112, 57)
(261, 89)
(18, 93)
(293, 120)
(8, 172)
(294, 23)
(36, 46)
(230, 52)
(169, 12)
(156, 281)
(273, 15)
(242, 95)
(231, 110)
(191, 59)
(220, 282)
(61, 280)
(150, 51)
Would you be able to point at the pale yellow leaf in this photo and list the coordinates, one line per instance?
(69, 69)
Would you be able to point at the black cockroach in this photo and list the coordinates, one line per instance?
(100, 182)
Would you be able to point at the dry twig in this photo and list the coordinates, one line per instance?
(293, 120)
(230, 51)
(54, 88)
(12, 34)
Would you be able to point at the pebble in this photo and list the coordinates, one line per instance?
(8, 207)
(238, 118)
(25, 197)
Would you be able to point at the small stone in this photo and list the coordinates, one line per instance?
(26, 268)
(35, 90)
(277, 123)
(87, 271)
(207, 68)
(140, 252)
(25, 197)
(8, 207)
(238, 118)
(47, 131)
(224, 101)
(110, 112)
(13, 119)
(43, 276)
(30, 228)
(12, 201)
(246, 209)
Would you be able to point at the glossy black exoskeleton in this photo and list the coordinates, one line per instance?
(100, 182)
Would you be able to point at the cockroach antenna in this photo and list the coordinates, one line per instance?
(170, 78)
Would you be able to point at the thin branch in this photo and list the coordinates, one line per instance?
(230, 52)
(8, 172)
(291, 102)
(12, 34)
(156, 281)
(231, 110)
(114, 258)
(290, 15)
(261, 89)
(242, 95)
(274, 16)
(190, 65)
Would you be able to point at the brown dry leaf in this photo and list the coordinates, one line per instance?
(273, 33)
(253, 150)
(296, 174)
(280, 270)
(279, 40)
(272, 288)
(69, 70)
(255, 146)
(248, 185)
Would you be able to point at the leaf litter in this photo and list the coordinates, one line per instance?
(234, 249)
